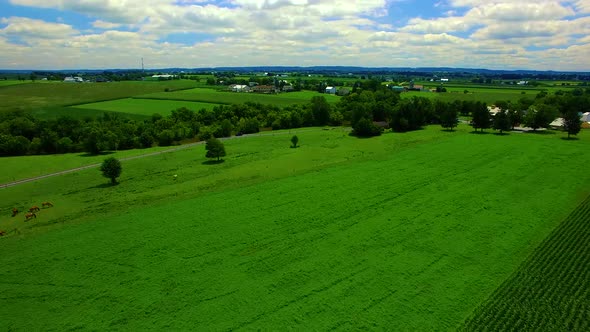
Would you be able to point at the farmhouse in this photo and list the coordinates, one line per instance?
(239, 88)
(264, 89)
(75, 79)
(331, 90)
(494, 110)
(557, 123)
(163, 77)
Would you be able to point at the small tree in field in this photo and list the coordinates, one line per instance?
(111, 168)
(215, 148)
(294, 141)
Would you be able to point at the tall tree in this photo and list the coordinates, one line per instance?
(539, 116)
(448, 117)
(321, 110)
(501, 121)
(572, 123)
(481, 117)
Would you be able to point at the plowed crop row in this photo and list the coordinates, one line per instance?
(550, 291)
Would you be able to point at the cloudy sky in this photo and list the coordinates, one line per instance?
(495, 34)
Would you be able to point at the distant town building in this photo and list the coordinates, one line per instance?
(331, 90)
(239, 88)
(71, 79)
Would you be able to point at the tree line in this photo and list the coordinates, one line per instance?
(369, 109)
(21, 133)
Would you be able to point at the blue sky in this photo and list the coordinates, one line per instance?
(495, 34)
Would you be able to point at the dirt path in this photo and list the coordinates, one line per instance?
(181, 147)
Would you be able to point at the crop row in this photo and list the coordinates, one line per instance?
(550, 290)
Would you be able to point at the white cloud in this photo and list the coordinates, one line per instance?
(27, 28)
(105, 25)
(468, 33)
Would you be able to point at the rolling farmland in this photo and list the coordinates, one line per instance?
(36, 96)
(412, 231)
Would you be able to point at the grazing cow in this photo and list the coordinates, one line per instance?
(34, 209)
(30, 215)
(14, 211)
(46, 204)
(2, 233)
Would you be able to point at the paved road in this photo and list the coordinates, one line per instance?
(182, 147)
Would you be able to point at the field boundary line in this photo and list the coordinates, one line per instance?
(151, 154)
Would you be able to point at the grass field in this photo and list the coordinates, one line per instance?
(18, 168)
(487, 95)
(407, 231)
(145, 106)
(35, 96)
(550, 290)
(12, 82)
(225, 97)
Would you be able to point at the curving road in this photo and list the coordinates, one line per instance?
(185, 146)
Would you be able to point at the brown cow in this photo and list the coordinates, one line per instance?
(34, 209)
(14, 211)
(2, 233)
(30, 215)
(46, 204)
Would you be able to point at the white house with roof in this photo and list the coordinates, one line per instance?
(331, 90)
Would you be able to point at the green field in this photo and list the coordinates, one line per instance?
(18, 168)
(36, 96)
(404, 231)
(225, 97)
(12, 82)
(145, 107)
(487, 95)
(550, 291)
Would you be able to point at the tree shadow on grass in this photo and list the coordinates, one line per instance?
(570, 138)
(541, 132)
(475, 132)
(104, 185)
(360, 137)
(213, 162)
(88, 154)
(502, 134)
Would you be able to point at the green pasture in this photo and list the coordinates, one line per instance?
(18, 168)
(145, 107)
(34, 96)
(226, 97)
(404, 231)
(12, 82)
(487, 95)
(55, 112)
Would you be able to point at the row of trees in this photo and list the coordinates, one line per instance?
(21, 133)
(369, 109)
